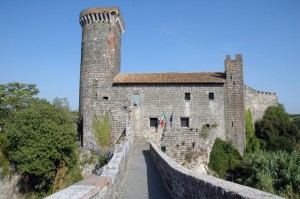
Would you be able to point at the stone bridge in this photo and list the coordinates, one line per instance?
(139, 171)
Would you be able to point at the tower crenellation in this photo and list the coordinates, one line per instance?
(104, 15)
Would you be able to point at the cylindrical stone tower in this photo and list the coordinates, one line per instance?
(100, 63)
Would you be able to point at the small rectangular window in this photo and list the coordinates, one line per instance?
(187, 96)
(105, 97)
(136, 99)
(184, 122)
(211, 96)
(154, 122)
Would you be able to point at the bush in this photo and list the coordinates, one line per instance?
(275, 172)
(37, 140)
(277, 131)
(252, 143)
(224, 156)
(4, 166)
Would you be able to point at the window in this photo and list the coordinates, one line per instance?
(187, 96)
(211, 96)
(105, 97)
(184, 122)
(154, 122)
(136, 99)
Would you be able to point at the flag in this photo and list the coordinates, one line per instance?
(171, 120)
(163, 119)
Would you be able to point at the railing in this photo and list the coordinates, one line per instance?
(185, 183)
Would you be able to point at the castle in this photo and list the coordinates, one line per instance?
(203, 106)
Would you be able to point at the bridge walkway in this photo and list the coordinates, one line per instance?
(143, 180)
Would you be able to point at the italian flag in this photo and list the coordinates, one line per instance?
(163, 119)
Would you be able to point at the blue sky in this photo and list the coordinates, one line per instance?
(40, 42)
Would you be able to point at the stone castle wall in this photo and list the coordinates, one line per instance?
(182, 145)
(156, 99)
(259, 101)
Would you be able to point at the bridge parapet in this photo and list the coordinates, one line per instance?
(184, 183)
(109, 183)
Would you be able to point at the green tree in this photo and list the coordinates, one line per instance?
(223, 157)
(252, 143)
(15, 96)
(38, 140)
(296, 119)
(276, 130)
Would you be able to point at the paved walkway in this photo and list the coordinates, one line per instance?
(142, 180)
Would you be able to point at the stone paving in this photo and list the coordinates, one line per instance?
(142, 180)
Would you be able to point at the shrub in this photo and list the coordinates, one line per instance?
(276, 172)
(252, 143)
(4, 166)
(224, 156)
(37, 140)
(277, 130)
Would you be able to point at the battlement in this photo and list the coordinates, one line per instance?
(238, 57)
(105, 15)
(249, 89)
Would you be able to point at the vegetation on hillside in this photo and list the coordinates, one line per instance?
(277, 131)
(37, 138)
(230, 157)
(271, 162)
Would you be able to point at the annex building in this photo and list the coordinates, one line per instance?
(200, 106)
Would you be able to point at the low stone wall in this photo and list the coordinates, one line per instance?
(109, 184)
(184, 183)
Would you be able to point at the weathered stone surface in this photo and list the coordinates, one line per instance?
(184, 183)
(259, 101)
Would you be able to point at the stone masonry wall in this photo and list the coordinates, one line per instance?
(259, 101)
(234, 102)
(182, 144)
(170, 98)
(184, 183)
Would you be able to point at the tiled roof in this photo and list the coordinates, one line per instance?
(170, 78)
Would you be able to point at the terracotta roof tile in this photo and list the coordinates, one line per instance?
(170, 78)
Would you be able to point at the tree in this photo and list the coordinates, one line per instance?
(224, 156)
(38, 140)
(15, 96)
(276, 130)
(252, 143)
